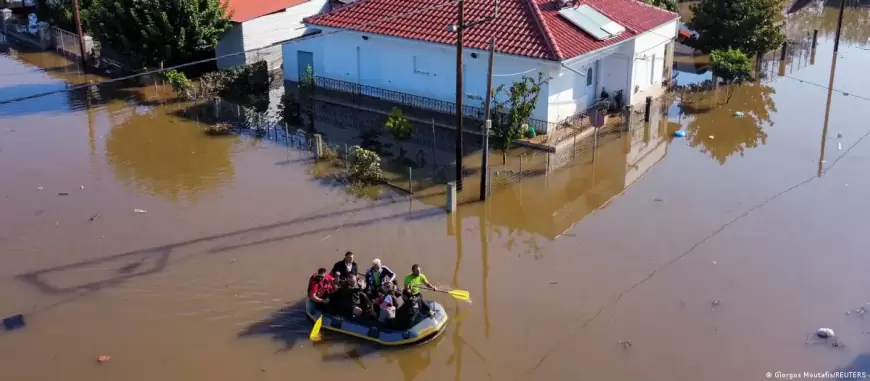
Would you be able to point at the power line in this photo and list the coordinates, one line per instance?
(829, 88)
(302, 38)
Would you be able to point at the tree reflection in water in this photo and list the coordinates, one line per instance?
(167, 156)
(715, 128)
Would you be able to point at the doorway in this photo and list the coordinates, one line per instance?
(304, 60)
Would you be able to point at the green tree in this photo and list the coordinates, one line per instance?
(307, 101)
(60, 14)
(400, 128)
(182, 86)
(509, 115)
(732, 66)
(746, 25)
(154, 31)
(670, 5)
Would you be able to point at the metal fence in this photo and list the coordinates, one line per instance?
(421, 165)
(360, 92)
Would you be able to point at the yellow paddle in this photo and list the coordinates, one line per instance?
(315, 332)
(458, 294)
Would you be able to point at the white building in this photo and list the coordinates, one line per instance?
(264, 24)
(584, 47)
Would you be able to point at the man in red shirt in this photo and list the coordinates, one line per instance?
(320, 285)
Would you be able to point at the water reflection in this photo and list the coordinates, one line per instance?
(822, 16)
(168, 157)
(716, 129)
(548, 206)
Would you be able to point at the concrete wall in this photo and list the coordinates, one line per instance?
(230, 43)
(412, 67)
(649, 59)
(264, 31)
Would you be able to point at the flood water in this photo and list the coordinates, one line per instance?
(716, 255)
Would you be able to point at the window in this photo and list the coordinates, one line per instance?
(589, 77)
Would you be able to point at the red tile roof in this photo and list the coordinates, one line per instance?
(530, 28)
(246, 10)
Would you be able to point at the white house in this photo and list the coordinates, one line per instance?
(584, 47)
(264, 24)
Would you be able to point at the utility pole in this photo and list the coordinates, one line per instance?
(460, 27)
(487, 121)
(81, 35)
(839, 26)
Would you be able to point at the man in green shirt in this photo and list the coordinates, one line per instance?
(415, 279)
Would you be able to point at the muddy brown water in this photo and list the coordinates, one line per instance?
(635, 246)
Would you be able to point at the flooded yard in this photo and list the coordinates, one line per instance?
(128, 232)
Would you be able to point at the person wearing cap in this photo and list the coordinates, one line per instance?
(378, 275)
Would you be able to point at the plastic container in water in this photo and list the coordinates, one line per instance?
(680, 133)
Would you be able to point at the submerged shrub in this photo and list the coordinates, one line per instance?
(365, 165)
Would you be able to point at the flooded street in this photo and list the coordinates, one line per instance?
(710, 257)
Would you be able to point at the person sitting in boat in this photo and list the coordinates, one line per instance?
(352, 300)
(386, 303)
(320, 286)
(413, 281)
(346, 266)
(378, 275)
(408, 314)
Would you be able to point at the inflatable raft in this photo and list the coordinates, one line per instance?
(425, 330)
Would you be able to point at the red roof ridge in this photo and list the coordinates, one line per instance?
(545, 31)
(333, 10)
(628, 27)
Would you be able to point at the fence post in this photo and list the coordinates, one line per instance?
(434, 157)
(410, 177)
(217, 108)
(548, 161)
(521, 166)
(346, 162)
(489, 182)
(318, 146)
(451, 197)
(626, 114)
(648, 108)
(574, 148)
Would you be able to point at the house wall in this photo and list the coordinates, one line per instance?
(413, 67)
(649, 59)
(267, 30)
(231, 42)
(569, 93)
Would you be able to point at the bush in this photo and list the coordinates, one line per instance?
(248, 84)
(365, 165)
(182, 86)
(219, 129)
(329, 154)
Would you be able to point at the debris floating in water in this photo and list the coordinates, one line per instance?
(680, 133)
(140, 211)
(40, 187)
(63, 194)
(104, 358)
(825, 333)
(739, 114)
(14, 322)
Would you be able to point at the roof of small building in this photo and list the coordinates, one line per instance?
(246, 10)
(531, 28)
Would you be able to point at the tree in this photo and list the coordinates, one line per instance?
(670, 5)
(59, 13)
(732, 66)
(308, 104)
(509, 115)
(155, 31)
(746, 25)
(400, 128)
(182, 86)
